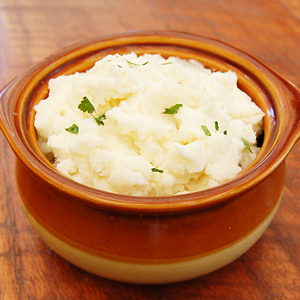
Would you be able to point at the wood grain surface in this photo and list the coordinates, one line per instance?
(32, 29)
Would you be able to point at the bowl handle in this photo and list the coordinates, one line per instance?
(290, 97)
(7, 114)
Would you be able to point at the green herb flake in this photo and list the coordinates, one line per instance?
(120, 66)
(206, 131)
(172, 110)
(166, 63)
(86, 106)
(73, 129)
(157, 170)
(100, 119)
(225, 132)
(217, 125)
(247, 145)
(132, 63)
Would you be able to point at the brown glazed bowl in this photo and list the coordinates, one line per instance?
(151, 240)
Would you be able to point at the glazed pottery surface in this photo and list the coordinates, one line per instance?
(151, 239)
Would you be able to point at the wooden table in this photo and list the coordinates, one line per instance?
(32, 29)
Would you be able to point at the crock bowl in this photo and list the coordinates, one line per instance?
(151, 240)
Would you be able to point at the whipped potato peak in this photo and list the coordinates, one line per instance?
(155, 126)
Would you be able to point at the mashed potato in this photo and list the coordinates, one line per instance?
(207, 138)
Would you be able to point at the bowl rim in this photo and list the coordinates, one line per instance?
(273, 155)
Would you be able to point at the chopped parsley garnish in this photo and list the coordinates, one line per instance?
(172, 110)
(120, 66)
(247, 145)
(73, 129)
(206, 131)
(217, 125)
(157, 170)
(166, 63)
(100, 119)
(86, 106)
(132, 63)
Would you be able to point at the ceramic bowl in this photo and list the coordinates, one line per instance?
(151, 240)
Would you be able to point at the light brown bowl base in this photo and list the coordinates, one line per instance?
(152, 273)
